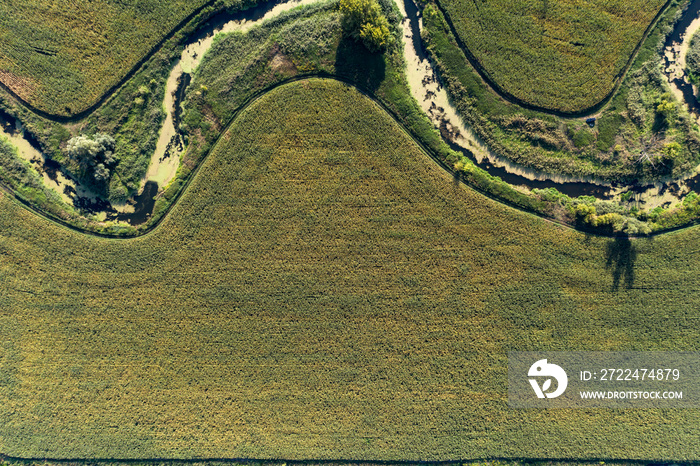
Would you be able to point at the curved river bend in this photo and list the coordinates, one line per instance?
(425, 88)
(434, 100)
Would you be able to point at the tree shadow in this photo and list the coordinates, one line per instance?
(353, 61)
(621, 256)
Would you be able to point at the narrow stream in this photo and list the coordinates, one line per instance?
(170, 146)
(427, 90)
(675, 50)
(425, 87)
(433, 98)
(166, 157)
(29, 149)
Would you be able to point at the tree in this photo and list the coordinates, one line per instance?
(363, 20)
(665, 111)
(93, 157)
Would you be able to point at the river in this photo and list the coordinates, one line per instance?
(426, 89)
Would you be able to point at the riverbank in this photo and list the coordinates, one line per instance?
(173, 143)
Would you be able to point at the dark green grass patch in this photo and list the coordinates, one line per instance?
(608, 128)
(324, 290)
(580, 135)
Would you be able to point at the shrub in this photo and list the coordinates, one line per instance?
(363, 19)
(92, 158)
(692, 59)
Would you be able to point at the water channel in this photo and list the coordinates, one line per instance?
(425, 87)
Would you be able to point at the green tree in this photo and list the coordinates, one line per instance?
(92, 157)
(363, 20)
(666, 109)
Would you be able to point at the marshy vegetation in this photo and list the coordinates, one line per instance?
(692, 60)
(642, 135)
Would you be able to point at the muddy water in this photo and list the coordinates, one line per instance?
(166, 158)
(51, 172)
(674, 53)
(142, 206)
(433, 98)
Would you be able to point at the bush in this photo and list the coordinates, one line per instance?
(93, 157)
(692, 59)
(363, 19)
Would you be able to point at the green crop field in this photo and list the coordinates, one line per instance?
(323, 290)
(561, 55)
(62, 57)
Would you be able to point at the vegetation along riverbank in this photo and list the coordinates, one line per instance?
(643, 135)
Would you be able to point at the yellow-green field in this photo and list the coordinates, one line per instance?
(323, 290)
(564, 55)
(61, 57)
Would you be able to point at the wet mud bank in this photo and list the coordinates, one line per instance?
(29, 149)
(571, 189)
(172, 141)
(675, 49)
(427, 89)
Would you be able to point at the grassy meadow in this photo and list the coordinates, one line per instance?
(323, 290)
(560, 55)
